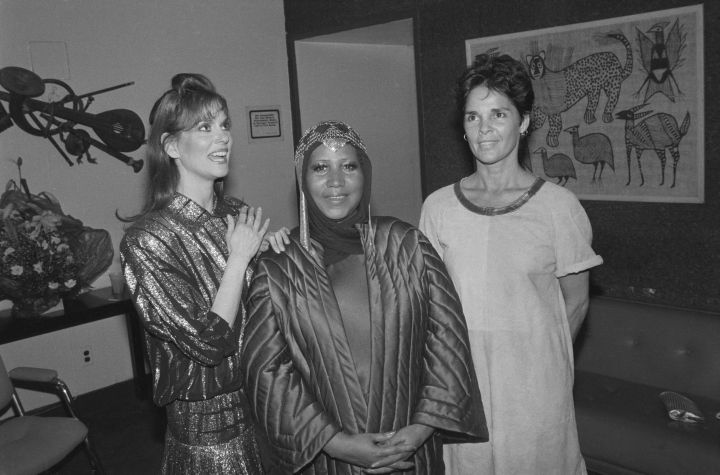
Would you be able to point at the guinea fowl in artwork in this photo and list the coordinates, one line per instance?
(592, 149)
(558, 166)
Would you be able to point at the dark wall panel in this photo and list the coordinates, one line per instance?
(658, 252)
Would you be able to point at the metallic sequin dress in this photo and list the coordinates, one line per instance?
(173, 260)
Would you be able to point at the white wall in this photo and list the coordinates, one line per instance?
(238, 44)
(372, 88)
(109, 363)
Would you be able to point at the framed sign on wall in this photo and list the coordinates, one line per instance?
(264, 123)
(618, 112)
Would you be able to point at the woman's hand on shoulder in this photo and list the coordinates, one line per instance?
(370, 452)
(245, 234)
(277, 240)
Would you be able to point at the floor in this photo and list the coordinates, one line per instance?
(126, 432)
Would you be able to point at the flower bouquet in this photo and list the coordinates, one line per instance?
(45, 255)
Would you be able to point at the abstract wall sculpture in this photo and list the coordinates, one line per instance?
(59, 119)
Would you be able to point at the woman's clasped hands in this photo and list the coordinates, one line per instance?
(379, 453)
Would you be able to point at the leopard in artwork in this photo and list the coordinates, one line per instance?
(558, 91)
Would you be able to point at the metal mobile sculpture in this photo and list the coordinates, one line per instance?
(119, 130)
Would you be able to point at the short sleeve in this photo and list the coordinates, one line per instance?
(573, 238)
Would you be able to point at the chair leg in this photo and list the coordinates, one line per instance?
(66, 397)
(95, 464)
(17, 405)
(63, 393)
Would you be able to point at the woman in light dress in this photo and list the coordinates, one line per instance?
(518, 251)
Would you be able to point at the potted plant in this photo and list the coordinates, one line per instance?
(45, 255)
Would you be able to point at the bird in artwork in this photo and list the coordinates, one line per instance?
(558, 166)
(659, 57)
(592, 149)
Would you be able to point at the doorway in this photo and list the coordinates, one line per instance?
(366, 77)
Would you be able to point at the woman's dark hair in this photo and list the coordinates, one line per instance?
(507, 76)
(191, 99)
(499, 73)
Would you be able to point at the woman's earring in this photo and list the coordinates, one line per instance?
(465, 137)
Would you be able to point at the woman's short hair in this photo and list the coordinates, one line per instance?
(500, 73)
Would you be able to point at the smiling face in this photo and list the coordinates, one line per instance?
(203, 151)
(492, 126)
(334, 180)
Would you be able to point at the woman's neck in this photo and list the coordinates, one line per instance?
(204, 195)
(495, 187)
(499, 177)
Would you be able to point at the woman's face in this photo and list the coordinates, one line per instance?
(335, 180)
(203, 151)
(492, 125)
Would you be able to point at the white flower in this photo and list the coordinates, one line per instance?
(70, 283)
(16, 270)
(38, 267)
(55, 240)
(53, 285)
(33, 232)
(9, 251)
(47, 220)
(62, 247)
(7, 211)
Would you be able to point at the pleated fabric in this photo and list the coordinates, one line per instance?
(300, 377)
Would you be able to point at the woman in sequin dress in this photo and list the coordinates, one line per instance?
(187, 261)
(518, 250)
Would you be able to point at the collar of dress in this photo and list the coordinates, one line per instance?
(192, 214)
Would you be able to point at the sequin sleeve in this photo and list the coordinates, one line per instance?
(173, 261)
(170, 301)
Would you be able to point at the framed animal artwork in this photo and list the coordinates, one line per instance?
(618, 111)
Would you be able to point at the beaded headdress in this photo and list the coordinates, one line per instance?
(334, 135)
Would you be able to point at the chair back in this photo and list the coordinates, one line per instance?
(6, 387)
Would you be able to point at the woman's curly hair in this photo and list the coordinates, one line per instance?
(500, 73)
